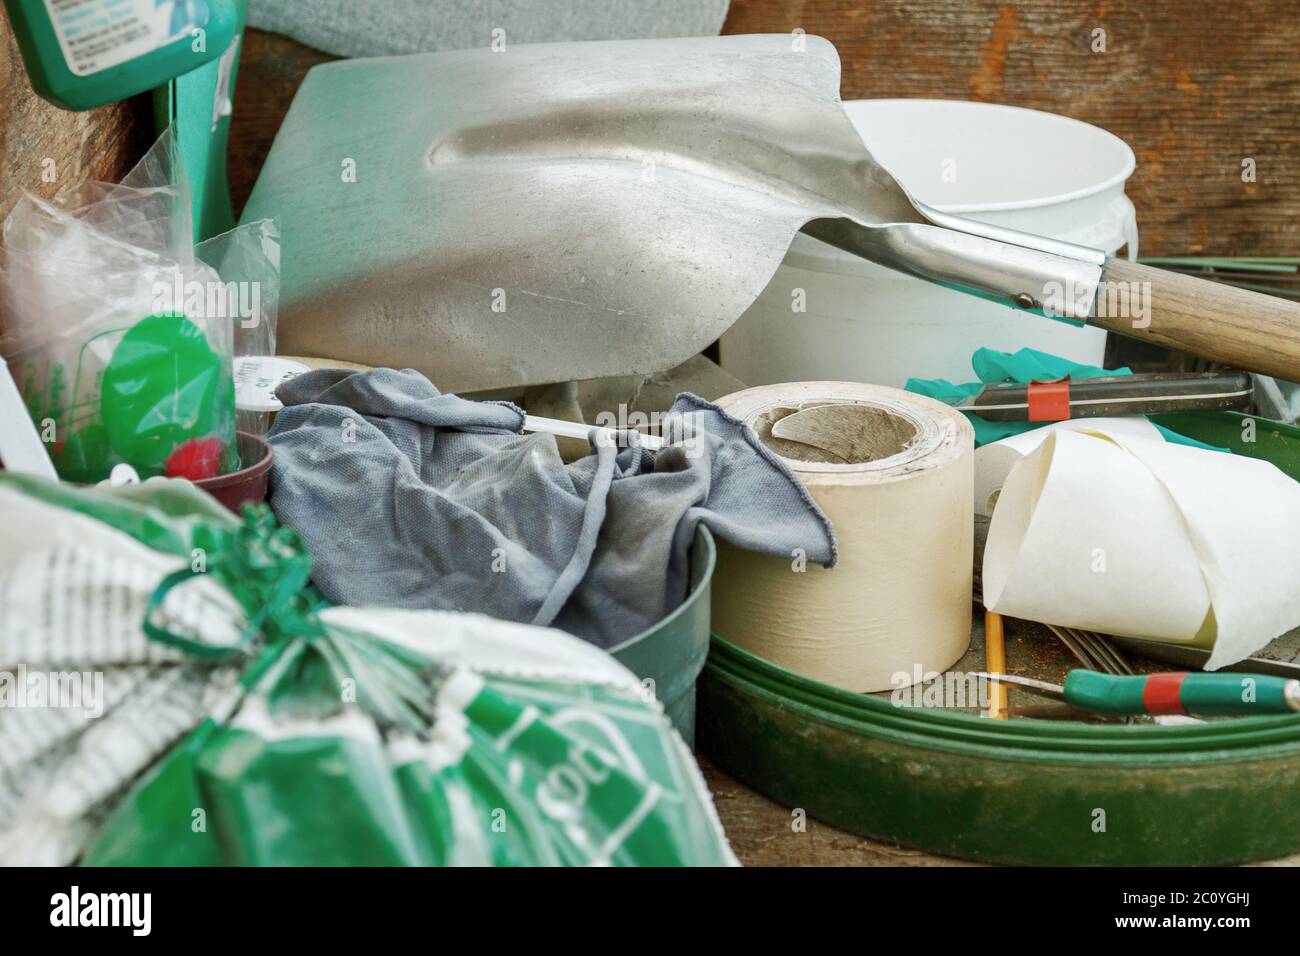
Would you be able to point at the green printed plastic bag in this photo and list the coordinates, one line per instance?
(353, 736)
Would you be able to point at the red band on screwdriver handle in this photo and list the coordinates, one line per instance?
(1162, 694)
(1049, 401)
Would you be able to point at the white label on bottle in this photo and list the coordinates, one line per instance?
(98, 34)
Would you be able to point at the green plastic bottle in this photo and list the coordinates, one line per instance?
(84, 53)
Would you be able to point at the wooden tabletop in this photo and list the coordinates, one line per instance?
(765, 833)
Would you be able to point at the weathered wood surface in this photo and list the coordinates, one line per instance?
(1195, 87)
(271, 69)
(100, 144)
(764, 833)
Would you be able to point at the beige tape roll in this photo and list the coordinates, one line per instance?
(894, 473)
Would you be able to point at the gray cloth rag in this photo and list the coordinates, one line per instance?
(389, 27)
(410, 498)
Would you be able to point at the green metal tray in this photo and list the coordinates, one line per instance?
(672, 653)
(1016, 791)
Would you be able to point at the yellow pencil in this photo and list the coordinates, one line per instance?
(995, 661)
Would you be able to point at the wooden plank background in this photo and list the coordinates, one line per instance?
(1194, 86)
(100, 144)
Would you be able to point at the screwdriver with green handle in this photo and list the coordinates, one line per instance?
(1206, 695)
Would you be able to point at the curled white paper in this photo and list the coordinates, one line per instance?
(1147, 539)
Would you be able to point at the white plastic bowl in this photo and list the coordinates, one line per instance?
(1024, 169)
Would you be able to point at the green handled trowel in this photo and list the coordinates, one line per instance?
(1155, 695)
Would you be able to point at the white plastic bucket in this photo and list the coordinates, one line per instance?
(1024, 169)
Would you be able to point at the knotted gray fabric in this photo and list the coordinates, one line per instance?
(411, 498)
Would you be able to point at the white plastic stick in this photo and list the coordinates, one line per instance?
(21, 448)
(555, 426)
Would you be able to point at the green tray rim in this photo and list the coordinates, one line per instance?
(1244, 738)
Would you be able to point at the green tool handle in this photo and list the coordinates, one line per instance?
(1181, 693)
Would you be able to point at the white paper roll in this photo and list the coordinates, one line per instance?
(993, 462)
(893, 471)
(1147, 539)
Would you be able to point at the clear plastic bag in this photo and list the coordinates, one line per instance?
(108, 329)
(248, 261)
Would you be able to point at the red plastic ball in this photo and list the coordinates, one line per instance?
(195, 459)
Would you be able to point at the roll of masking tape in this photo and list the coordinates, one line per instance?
(893, 471)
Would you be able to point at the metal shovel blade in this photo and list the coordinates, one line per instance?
(580, 210)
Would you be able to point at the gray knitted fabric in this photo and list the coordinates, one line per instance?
(388, 27)
(410, 498)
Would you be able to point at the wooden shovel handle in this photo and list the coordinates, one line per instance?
(1250, 330)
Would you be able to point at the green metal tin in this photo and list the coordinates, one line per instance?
(672, 653)
(1017, 791)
